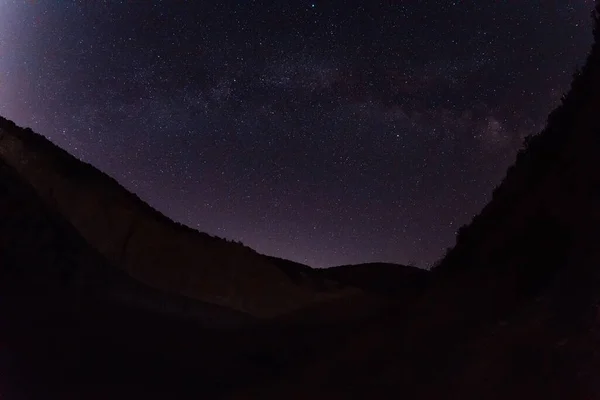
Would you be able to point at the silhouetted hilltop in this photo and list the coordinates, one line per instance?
(383, 286)
(375, 278)
(538, 233)
(148, 245)
(382, 278)
(554, 176)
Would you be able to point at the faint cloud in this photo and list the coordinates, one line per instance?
(300, 73)
(221, 92)
(492, 133)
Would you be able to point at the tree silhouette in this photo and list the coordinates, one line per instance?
(542, 155)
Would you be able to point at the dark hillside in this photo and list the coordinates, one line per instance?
(146, 244)
(551, 184)
(72, 325)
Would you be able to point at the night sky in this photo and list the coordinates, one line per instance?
(323, 132)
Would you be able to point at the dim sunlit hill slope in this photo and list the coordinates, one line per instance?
(41, 252)
(148, 245)
(513, 310)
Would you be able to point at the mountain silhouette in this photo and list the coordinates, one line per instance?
(149, 246)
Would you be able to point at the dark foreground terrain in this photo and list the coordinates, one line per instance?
(102, 297)
(75, 326)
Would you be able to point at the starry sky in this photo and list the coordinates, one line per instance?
(324, 132)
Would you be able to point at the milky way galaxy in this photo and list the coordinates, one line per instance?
(325, 132)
